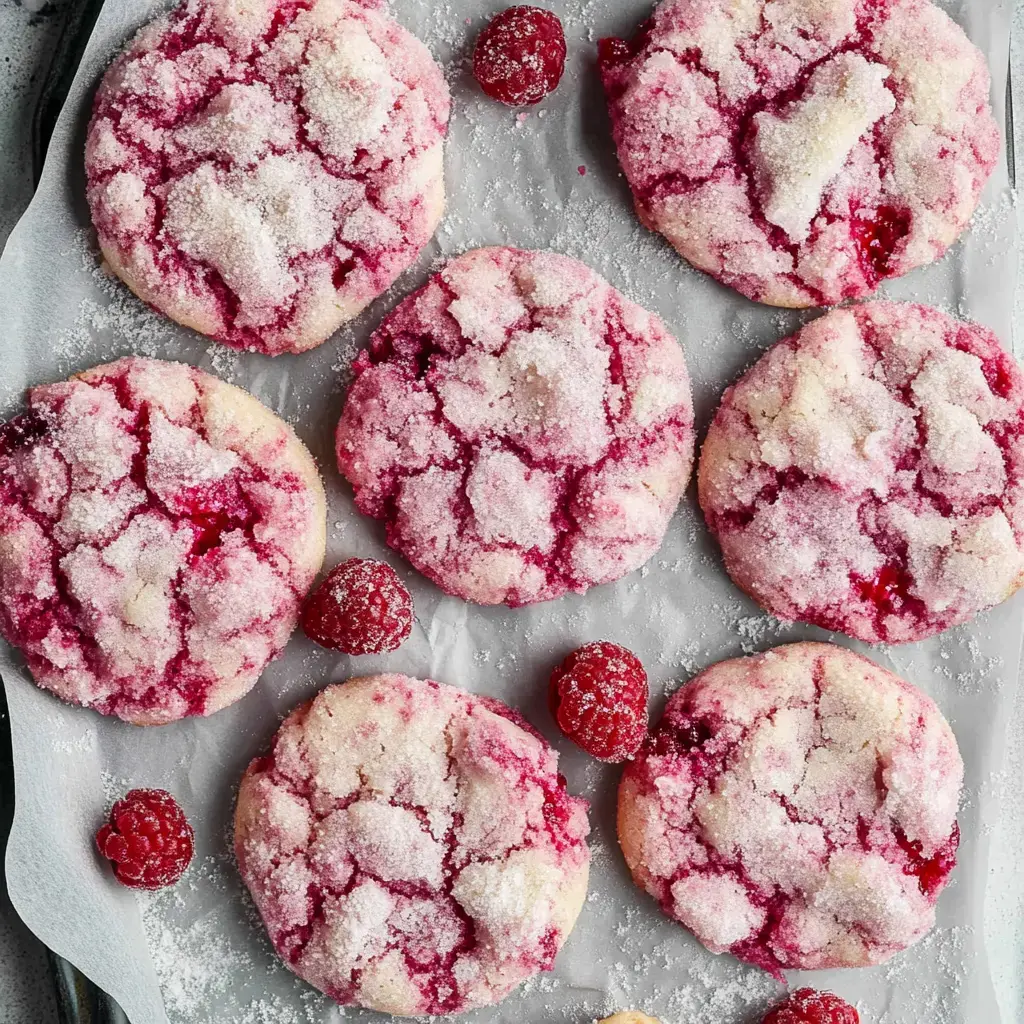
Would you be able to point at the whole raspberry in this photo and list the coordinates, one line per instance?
(361, 608)
(147, 838)
(519, 58)
(805, 1006)
(599, 699)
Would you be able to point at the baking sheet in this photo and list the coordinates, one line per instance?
(197, 953)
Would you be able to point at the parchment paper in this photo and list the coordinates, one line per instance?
(518, 179)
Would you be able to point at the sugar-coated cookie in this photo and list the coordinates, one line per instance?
(158, 531)
(802, 152)
(411, 847)
(522, 428)
(867, 474)
(260, 170)
(796, 808)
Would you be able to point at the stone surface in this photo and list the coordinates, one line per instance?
(28, 33)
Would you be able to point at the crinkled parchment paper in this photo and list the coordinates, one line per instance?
(197, 953)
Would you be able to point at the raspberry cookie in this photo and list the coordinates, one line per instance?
(261, 171)
(158, 531)
(411, 847)
(523, 429)
(797, 809)
(802, 152)
(867, 475)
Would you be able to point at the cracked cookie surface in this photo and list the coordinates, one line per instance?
(411, 847)
(261, 171)
(158, 531)
(796, 808)
(802, 152)
(867, 474)
(522, 428)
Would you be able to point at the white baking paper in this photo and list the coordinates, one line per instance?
(547, 177)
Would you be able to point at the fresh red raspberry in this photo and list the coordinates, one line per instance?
(520, 56)
(599, 699)
(147, 838)
(361, 608)
(805, 1006)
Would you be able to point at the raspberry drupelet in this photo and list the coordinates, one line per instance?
(598, 696)
(147, 839)
(520, 56)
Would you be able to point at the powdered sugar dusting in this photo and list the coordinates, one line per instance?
(208, 970)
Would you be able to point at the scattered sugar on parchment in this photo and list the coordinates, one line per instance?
(755, 631)
(114, 786)
(68, 741)
(698, 989)
(212, 970)
(194, 965)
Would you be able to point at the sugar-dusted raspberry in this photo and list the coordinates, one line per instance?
(802, 152)
(361, 608)
(520, 56)
(797, 809)
(147, 838)
(599, 699)
(805, 1006)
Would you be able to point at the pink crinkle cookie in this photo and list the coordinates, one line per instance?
(261, 170)
(797, 809)
(867, 474)
(411, 847)
(158, 531)
(802, 152)
(523, 429)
